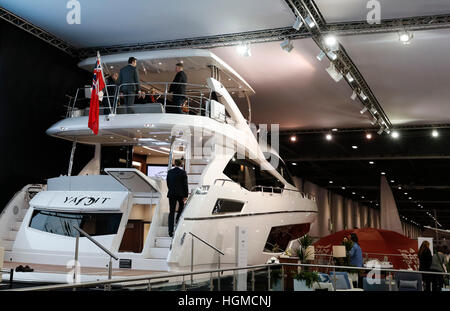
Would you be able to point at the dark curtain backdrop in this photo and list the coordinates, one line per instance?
(34, 79)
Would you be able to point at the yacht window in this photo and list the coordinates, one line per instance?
(62, 223)
(249, 175)
(227, 206)
(281, 168)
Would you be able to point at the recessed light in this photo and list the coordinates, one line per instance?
(392, 180)
(294, 164)
(334, 130)
(369, 136)
(330, 181)
(293, 138)
(343, 188)
(371, 162)
(355, 147)
(329, 137)
(383, 173)
(353, 193)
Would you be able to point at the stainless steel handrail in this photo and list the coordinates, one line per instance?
(90, 238)
(192, 256)
(111, 255)
(209, 271)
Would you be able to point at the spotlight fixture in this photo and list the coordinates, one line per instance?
(368, 136)
(332, 43)
(363, 96)
(343, 188)
(310, 22)
(287, 45)
(334, 74)
(328, 137)
(373, 110)
(294, 164)
(334, 130)
(383, 173)
(371, 162)
(355, 147)
(405, 37)
(353, 193)
(332, 55)
(297, 24)
(353, 97)
(244, 50)
(320, 56)
(395, 134)
(363, 110)
(293, 138)
(435, 133)
(349, 77)
(330, 181)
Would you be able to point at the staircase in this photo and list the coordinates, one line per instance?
(14, 213)
(194, 170)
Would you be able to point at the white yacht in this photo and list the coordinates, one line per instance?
(232, 180)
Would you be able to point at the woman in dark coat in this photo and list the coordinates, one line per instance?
(425, 264)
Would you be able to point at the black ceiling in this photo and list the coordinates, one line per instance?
(415, 163)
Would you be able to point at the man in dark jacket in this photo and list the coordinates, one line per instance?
(177, 185)
(178, 88)
(129, 74)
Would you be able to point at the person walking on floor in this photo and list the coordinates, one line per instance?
(425, 258)
(129, 75)
(178, 88)
(177, 185)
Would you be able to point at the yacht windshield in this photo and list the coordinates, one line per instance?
(62, 223)
(281, 168)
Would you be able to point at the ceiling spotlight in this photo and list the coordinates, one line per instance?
(330, 40)
(395, 134)
(343, 188)
(287, 45)
(392, 181)
(330, 181)
(435, 133)
(368, 136)
(320, 56)
(244, 50)
(363, 110)
(355, 147)
(328, 137)
(349, 78)
(406, 193)
(297, 24)
(405, 37)
(383, 173)
(373, 110)
(310, 22)
(334, 74)
(294, 164)
(363, 96)
(332, 55)
(293, 138)
(371, 162)
(353, 97)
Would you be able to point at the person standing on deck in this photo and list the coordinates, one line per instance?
(129, 75)
(178, 88)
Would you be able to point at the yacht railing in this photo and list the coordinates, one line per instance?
(287, 269)
(219, 252)
(196, 100)
(111, 255)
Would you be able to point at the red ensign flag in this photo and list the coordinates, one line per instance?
(98, 84)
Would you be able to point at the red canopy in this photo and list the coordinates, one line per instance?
(376, 244)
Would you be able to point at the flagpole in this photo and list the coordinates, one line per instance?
(106, 87)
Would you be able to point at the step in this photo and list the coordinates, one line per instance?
(163, 242)
(8, 245)
(201, 161)
(162, 231)
(194, 178)
(159, 252)
(16, 225)
(196, 168)
(165, 222)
